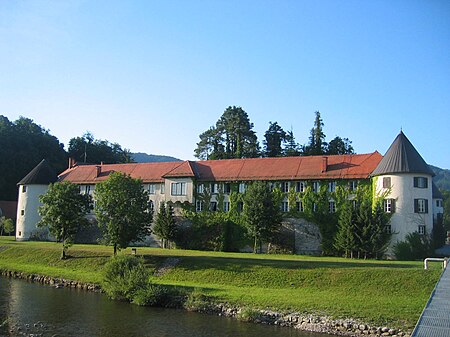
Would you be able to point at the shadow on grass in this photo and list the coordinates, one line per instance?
(245, 265)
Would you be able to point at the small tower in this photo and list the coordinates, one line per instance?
(31, 187)
(405, 180)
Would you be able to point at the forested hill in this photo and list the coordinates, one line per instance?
(140, 157)
(442, 178)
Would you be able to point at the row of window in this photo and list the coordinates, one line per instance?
(420, 205)
(300, 186)
(419, 182)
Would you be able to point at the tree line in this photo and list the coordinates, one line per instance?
(233, 137)
(23, 144)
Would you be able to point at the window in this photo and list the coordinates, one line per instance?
(332, 207)
(227, 188)
(285, 186)
(388, 229)
(151, 205)
(163, 188)
(226, 206)
(422, 230)
(285, 206)
(213, 206)
(389, 205)
(332, 186)
(240, 206)
(355, 204)
(151, 188)
(439, 203)
(420, 206)
(22, 212)
(214, 188)
(421, 182)
(20, 233)
(87, 189)
(299, 205)
(200, 188)
(315, 186)
(352, 185)
(300, 186)
(314, 207)
(24, 188)
(178, 189)
(199, 206)
(241, 187)
(387, 182)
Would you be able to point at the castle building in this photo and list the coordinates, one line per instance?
(31, 187)
(401, 177)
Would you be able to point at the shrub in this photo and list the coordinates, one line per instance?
(197, 301)
(249, 315)
(152, 295)
(124, 276)
(415, 247)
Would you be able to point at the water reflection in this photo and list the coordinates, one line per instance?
(34, 309)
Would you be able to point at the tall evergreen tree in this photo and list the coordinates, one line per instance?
(291, 147)
(165, 226)
(317, 144)
(275, 136)
(345, 239)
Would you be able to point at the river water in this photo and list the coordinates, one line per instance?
(31, 309)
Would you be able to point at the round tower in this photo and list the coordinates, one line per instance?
(31, 187)
(404, 180)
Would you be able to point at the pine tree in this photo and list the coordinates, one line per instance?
(165, 225)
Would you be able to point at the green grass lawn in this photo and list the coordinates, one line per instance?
(382, 292)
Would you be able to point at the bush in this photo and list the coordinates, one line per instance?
(152, 295)
(415, 247)
(124, 276)
(197, 301)
(249, 315)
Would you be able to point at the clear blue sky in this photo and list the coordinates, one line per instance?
(153, 75)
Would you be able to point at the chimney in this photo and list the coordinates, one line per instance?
(324, 164)
(98, 171)
(71, 162)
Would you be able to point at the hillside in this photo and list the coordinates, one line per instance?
(140, 157)
(442, 178)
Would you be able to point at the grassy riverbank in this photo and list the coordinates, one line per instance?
(381, 292)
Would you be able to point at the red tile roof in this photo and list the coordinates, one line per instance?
(356, 166)
(148, 172)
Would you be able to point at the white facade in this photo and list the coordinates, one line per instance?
(412, 206)
(27, 210)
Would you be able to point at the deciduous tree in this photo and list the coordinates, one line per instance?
(63, 211)
(340, 146)
(261, 213)
(122, 210)
(232, 137)
(88, 149)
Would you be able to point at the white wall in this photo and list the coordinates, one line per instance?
(404, 220)
(28, 203)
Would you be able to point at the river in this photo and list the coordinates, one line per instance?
(31, 309)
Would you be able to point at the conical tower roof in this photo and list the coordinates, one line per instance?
(42, 174)
(402, 157)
